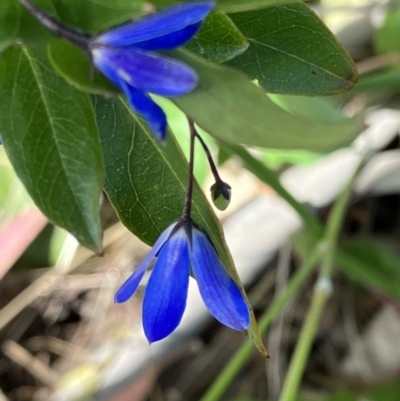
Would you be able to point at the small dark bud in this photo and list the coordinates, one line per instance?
(221, 195)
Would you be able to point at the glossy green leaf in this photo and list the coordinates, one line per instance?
(146, 181)
(50, 136)
(230, 107)
(97, 15)
(232, 5)
(372, 265)
(218, 39)
(292, 52)
(387, 36)
(79, 73)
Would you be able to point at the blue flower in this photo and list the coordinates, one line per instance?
(125, 55)
(181, 249)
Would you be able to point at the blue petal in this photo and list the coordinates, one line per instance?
(219, 292)
(171, 40)
(166, 292)
(107, 69)
(129, 287)
(142, 104)
(146, 71)
(172, 19)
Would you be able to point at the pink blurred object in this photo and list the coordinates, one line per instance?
(17, 235)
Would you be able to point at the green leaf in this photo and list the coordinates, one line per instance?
(18, 23)
(387, 80)
(9, 22)
(90, 15)
(97, 15)
(387, 37)
(80, 72)
(50, 136)
(3, 72)
(31, 31)
(231, 108)
(218, 39)
(146, 181)
(372, 265)
(231, 6)
(292, 52)
(177, 121)
(4, 5)
(316, 109)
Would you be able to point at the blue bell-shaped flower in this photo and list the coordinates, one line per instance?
(126, 55)
(181, 249)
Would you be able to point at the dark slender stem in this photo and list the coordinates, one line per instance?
(76, 37)
(213, 167)
(187, 208)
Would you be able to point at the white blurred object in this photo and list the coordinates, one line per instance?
(305, 183)
(381, 175)
(320, 183)
(377, 350)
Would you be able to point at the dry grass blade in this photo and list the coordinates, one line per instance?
(45, 284)
(33, 365)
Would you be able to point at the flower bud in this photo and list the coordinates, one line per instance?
(221, 195)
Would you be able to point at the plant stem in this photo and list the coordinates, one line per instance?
(239, 359)
(322, 291)
(76, 37)
(213, 167)
(189, 188)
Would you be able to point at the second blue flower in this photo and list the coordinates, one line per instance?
(183, 247)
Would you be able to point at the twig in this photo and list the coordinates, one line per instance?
(378, 63)
(45, 284)
(59, 347)
(33, 365)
